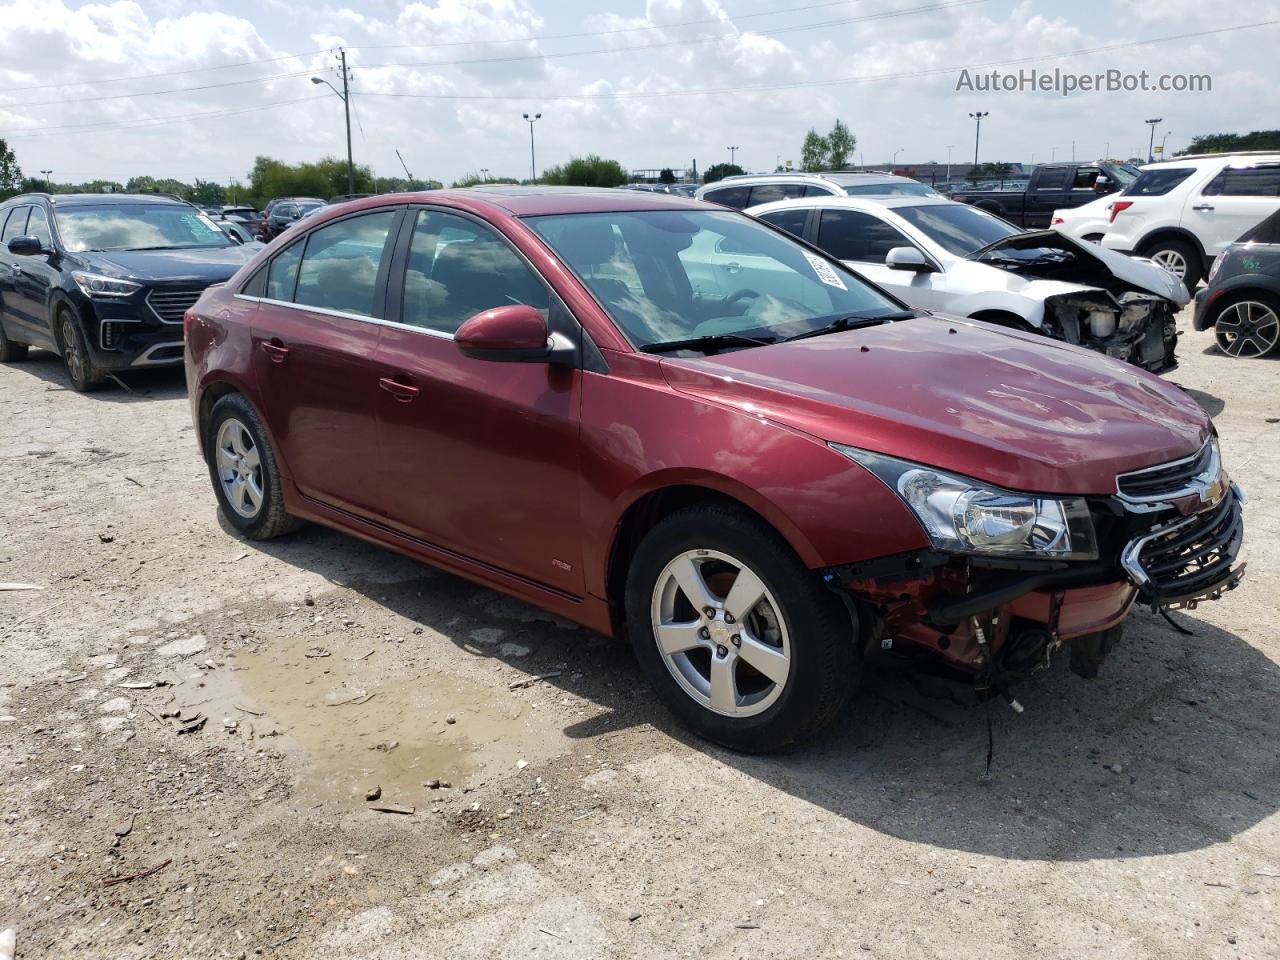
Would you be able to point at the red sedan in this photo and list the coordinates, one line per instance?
(671, 422)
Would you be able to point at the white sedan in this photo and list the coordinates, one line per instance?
(950, 257)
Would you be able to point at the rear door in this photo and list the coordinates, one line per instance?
(314, 338)
(481, 458)
(13, 223)
(1050, 189)
(33, 282)
(1232, 203)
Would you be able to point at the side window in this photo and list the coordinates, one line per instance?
(769, 192)
(816, 191)
(1085, 178)
(339, 269)
(729, 196)
(283, 274)
(1260, 181)
(1053, 178)
(792, 221)
(854, 235)
(16, 225)
(256, 286)
(457, 268)
(38, 226)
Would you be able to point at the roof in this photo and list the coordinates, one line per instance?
(99, 199)
(858, 203)
(537, 201)
(1201, 159)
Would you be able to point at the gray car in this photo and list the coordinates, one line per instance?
(1242, 301)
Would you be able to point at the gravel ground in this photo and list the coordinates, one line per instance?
(1131, 816)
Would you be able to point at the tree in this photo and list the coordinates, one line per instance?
(1231, 142)
(667, 175)
(323, 178)
(207, 193)
(589, 171)
(473, 178)
(989, 171)
(10, 172)
(718, 171)
(815, 152)
(840, 144)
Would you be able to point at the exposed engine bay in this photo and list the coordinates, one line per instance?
(1129, 312)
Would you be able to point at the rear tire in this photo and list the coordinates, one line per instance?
(1248, 326)
(1178, 257)
(242, 466)
(704, 668)
(81, 370)
(10, 350)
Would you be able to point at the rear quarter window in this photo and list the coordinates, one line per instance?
(735, 197)
(1156, 183)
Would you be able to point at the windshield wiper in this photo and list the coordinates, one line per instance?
(167, 246)
(711, 343)
(854, 321)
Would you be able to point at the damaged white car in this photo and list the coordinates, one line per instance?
(950, 257)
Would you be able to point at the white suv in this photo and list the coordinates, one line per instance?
(753, 189)
(1182, 213)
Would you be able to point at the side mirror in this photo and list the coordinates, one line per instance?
(514, 333)
(25, 246)
(1102, 185)
(909, 259)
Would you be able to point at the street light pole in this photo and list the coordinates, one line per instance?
(48, 183)
(949, 162)
(1163, 140)
(893, 164)
(732, 151)
(533, 167)
(1151, 153)
(978, 132)
(345, 96)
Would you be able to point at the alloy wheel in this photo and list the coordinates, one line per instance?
(1247, 329)
(721, 633)
(239, 466)
(72, 350)
(1173, 261)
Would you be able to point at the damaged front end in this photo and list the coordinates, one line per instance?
(1138, 328)
(1120, 306)
(1012, 579)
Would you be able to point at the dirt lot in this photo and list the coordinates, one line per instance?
(1131, 816)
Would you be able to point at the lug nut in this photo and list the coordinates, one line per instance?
(722, 651)
(710, 613)
(736, 639)
(704, 633)
(728, 617)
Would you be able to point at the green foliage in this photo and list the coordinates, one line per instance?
(473, 178)
(1231, 142)
(10, 173)
(989, 171)
(718, 171)
(814, 152)
(589, 171)
(324, 178)
(667, 175)
(840, 144)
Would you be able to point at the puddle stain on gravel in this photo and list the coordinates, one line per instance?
(354, 724)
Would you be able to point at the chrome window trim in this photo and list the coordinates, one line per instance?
(302, 308)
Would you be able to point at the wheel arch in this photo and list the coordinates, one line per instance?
(1237, 289)
(1173, 233)
(214, 389)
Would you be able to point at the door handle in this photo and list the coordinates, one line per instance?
(1203, 207)
(276, 350)
(734, 267)
(404, 392)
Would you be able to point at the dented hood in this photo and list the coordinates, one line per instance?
(1141, 274)
(1013, 409)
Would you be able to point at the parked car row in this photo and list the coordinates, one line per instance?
(672, 422)
(1033, 203)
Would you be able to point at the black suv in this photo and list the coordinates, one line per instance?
(104, 279)
(283, 212)
(1242, 300)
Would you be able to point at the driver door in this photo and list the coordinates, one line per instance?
(863, 241)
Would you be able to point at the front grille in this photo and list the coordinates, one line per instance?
(1191, 559)
(1169, 481)
(170, 303)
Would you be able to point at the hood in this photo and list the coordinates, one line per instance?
(196, 265)
(1013, 409)
(1092, 260)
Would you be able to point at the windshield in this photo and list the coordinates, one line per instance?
(891, 189)
(957, 227)
(666, 275)
(1125, 173)
(137, 227)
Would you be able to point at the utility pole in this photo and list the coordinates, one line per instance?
(345, 96)
(732, 151)
(1106, 151)
(1151, 153)
(949, 146)
(977, 133)
(533, 167)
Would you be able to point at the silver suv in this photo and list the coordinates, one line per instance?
(753, 189)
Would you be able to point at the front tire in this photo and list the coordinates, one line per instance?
(242, 465)
(1248, 327)
(81, 370)
(739, 639)
(1178, 257)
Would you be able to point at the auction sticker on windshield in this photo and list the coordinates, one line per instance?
(824, 272)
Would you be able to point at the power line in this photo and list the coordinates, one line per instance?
(34, 132)
(884, 15)
(799, 84)
(167, 73)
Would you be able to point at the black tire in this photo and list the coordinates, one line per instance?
(10, 350)
(1260, 337)
(819, 626)
(271, 519)
(1184, 250)
(81, 370)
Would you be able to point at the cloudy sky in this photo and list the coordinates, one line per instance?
(197, 89)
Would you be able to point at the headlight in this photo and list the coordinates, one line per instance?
(95, 285)
(961, 515)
